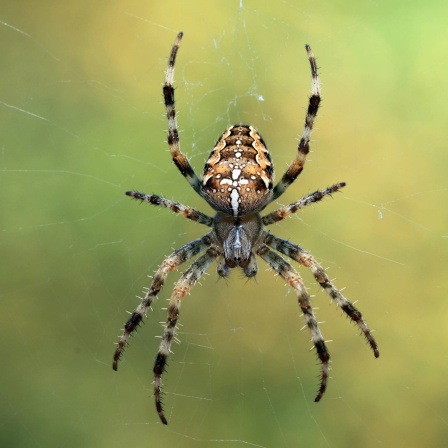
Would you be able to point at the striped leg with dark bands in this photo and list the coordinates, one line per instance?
(179, 158)
(304, 145)
(293, 279)
(170, 263)
(183, 286)
(188, 212)
(284, 212)
(306, 259)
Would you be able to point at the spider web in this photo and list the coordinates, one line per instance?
(82, 122)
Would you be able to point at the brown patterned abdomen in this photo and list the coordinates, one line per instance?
(238, 175)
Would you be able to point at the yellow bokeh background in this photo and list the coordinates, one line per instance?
(82, 122)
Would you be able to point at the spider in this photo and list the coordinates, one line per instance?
(238, 183)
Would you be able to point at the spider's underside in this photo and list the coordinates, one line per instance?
(238, 183)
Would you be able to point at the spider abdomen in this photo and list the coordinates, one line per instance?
(238, 175)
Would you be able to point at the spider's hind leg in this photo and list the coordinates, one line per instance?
(179, 158)
(303, 149)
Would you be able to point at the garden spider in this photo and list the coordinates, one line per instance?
(238, 184)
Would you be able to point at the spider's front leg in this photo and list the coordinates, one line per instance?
(292, 278)
(170, 263)
(183, 286)
(306, 259)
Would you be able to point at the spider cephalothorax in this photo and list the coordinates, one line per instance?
(238, 183)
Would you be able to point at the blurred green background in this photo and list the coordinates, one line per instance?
(82, 122)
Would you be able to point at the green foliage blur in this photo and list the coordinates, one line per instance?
(82, 122)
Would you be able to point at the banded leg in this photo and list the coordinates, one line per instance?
(170, 263)
(284, 212)
(304, 145)
(183, 286)
(306, 259)
(188, 212)
(179, 158)
(293, 279)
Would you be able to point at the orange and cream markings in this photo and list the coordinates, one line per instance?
(238, 174)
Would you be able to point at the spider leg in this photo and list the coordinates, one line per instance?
(183, 286)
(296, 167)
(306, 259)
(284, 212)
(188, 212)
(292, 278)
(170, 263)
(179, 158)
